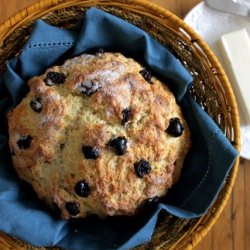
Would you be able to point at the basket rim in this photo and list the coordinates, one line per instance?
(42, 7)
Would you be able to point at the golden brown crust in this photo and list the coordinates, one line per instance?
(54, 162)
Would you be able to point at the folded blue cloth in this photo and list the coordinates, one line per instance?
(210, 159)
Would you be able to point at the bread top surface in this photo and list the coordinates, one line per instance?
(92, 136)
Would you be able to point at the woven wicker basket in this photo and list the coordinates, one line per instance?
(211, 90)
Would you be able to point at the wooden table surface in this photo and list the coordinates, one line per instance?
(232, 230)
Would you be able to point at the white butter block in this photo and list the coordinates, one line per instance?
(235, 48)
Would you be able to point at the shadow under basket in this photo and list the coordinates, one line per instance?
(211, 90)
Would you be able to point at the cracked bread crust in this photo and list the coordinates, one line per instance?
(82, 104)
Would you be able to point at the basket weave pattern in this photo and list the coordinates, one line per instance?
(211, 89)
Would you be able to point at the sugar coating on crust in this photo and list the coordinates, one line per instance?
(87, 109)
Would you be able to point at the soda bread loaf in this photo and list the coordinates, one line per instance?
(98, 135)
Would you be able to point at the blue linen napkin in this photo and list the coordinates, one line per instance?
(210, 159)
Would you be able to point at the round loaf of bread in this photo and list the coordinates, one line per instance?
(98, 135)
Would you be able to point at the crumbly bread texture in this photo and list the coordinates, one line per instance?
(98, 135)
